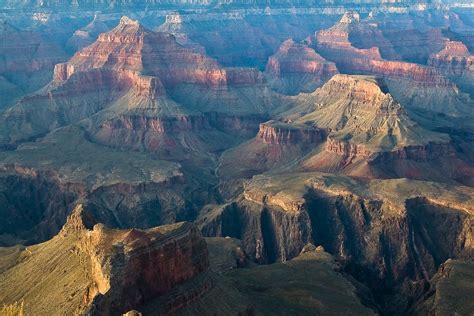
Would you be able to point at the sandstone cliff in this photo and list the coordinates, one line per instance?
(107, 271)
(415, 85)
(384, 233)
(296, 67)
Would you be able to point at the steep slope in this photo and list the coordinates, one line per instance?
(389, 234)
(350, 125)
(309, 284)
(123, 86)
(374, 136)
(450, 291)
(457, 63)
(296, 68)
(39, 181)
(26, 62)
(414, 85)
(89, 268)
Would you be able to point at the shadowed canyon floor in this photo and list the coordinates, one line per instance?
(237, 158)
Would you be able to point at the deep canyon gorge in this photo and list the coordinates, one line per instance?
(237, 157)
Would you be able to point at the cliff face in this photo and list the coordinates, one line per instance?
(335, 42)
(34, 204)
(278, 133)
(134, 73)
(26, 62)
(393, 248)
(297, 67)
(131, 267)
(361, 115)
(455, 57)
(415, 85)
(93, 270)
(130, 46)
(148, 133)
(456, 63)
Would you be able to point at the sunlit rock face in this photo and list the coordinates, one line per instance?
(296, 67)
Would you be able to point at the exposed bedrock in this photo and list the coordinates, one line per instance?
(245, 125)
(394, 253)
(131, 267)
(149, 133)
(422, 152)
(296, 67)
(35, 204)
(279, 133)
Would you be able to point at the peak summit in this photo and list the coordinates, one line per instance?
(125, 20)
(350, 17)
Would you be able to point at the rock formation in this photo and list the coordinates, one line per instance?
(370, 228)
(297, 67)
(26, 62)
(408, 81)
(457, 63)
(278, 133)
(121, 269)
(130, 75)
(352, 124)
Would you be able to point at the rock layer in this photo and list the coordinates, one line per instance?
(296, 67)
(131, 267)
(394, 246)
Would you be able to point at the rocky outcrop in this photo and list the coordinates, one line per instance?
(298, 62)
(449, 288)
(455, 57)
(26, 61)
(456, 63)
(335, 42)
(132, 267)
(33, 204)
(94, 270)
(361, 115)
(393, 248)
(420, 153)
(36, 202)
(130, 46)
(348, 151)
(279, 133)
(148, 133)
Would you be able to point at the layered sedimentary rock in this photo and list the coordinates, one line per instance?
(111, 271)
(26, 62)
(367, 123)
(297, 67)
(121, 189)
(279, 133)
(131, 72)
(348, 57)
(131, 267)
(130, 46)
(455, 58)
(88, 34)
(276, 145)
(352, 125)
(416, 85)
(450, 290)
(457, 63)
(34, 204)
(384, 234)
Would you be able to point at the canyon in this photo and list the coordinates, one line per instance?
(236, 158)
